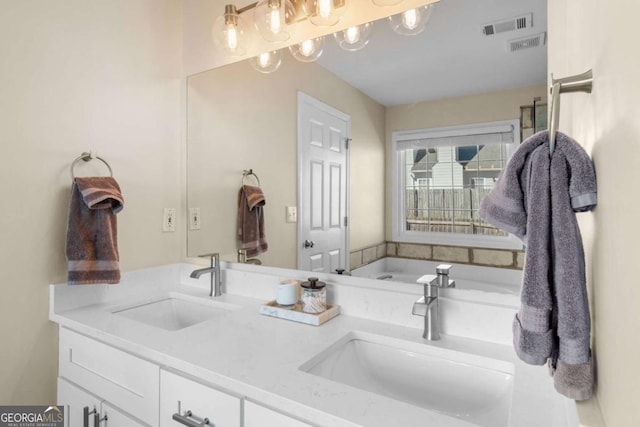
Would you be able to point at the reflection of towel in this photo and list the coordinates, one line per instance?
(536, 198)
(251, 220)
(92, 241)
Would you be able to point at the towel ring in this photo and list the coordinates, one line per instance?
(247, 173)
(88, 157)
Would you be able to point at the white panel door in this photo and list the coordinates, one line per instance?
(323, 135)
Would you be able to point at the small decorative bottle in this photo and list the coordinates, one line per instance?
(314, 296)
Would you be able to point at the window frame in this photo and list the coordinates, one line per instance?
(399, 233)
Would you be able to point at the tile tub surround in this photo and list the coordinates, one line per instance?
(500, 258)
(262, 355)
(473, 282)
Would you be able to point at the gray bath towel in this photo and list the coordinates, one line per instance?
(536, 198)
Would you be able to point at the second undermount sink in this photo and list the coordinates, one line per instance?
(175, 312)
(462, 385)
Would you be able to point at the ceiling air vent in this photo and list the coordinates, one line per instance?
(528, 42)
(518, 23)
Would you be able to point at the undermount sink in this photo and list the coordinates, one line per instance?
(176, 311)
(473, 388)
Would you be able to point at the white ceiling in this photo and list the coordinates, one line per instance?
(451, 57)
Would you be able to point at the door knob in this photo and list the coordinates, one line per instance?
(308, 244)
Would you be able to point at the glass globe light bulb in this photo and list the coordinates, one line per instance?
(229, 32)
(271, 19)
(324, 13)
(354, 38)
(308, 50)
(412, 21)
(267, 62)
(352, 34)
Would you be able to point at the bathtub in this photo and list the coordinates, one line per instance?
(506, 282)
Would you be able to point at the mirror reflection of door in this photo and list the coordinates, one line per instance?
(323, 135)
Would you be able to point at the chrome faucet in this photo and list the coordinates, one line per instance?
(427, 306)
(242, 258)
(214, 269)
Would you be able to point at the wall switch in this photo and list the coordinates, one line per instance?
(292, 214)
(169, 220)
(194, 218)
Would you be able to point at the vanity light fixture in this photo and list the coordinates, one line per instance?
(267, 62)
(272, 19)
(354, 38)
(308, 50)
(229, 32)
(412, 21)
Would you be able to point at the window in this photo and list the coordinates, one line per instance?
(440, 178)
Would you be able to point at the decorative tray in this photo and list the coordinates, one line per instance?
(296, 314)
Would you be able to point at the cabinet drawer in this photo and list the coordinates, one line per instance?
(126, 381)
(258, 416)
(179, 395)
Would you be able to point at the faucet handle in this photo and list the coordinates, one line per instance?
(427, 279)
(443, 269)
(212, 255)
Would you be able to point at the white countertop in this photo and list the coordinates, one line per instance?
(256, 356)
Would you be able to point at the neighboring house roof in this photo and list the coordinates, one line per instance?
(491, 157)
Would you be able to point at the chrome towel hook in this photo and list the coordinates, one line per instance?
(578, 83)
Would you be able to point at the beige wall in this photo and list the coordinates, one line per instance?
(485, 107)
(597, 34)
(79, 75)
(240, 119)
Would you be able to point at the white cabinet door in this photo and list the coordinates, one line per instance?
(80, 406)
(124, 380)
(259, 416)
(83, 409)
(115, 418)
(181, 396)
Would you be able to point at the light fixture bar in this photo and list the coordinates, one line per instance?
(300, 7)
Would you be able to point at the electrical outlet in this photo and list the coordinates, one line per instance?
(194, 218)
(292, 214)
(169, 220)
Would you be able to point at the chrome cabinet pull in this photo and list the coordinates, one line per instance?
(85, 416)
(188, 419)
(99, 420)
(308, 244)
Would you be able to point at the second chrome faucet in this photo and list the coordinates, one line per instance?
(214, 269)
(427, 305)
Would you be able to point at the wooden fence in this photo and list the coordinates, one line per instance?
(447, 211)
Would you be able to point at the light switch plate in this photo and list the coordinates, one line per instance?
(292, 214)
(169, 220)
(194, 218)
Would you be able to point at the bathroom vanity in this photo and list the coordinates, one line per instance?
(156, 350)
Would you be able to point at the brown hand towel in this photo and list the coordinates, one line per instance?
(251, 220)
(92, 233)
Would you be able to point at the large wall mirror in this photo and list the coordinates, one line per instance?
(452, 73)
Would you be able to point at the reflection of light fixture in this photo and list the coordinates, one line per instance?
(325, 13)
(272, 19)
(267, 62)
(354, 38)
(308, 50)
(412, 21)
(386, 2)
(229, 32)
